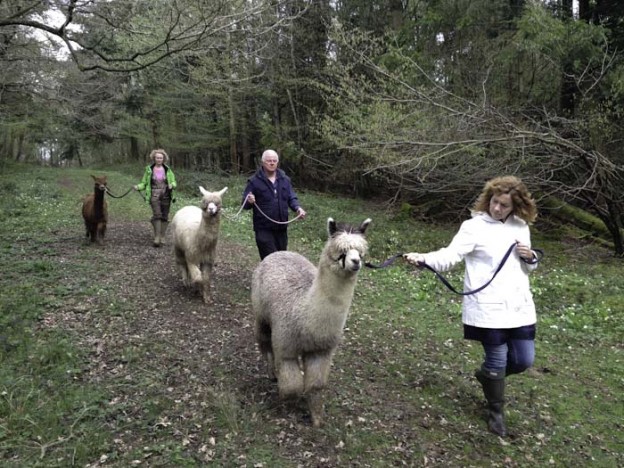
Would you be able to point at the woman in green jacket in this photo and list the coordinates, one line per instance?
(158, 182)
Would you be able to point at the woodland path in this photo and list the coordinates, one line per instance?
(181, 370)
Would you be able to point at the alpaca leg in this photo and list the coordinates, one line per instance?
(316, 370)
(181, 263)
(194, 273)
(101, 230)
(263, 338)
(195, 277)
(184, 274)
(289, 378)
(315, 405)
(270, 365)
(206, 273)
(316, 374)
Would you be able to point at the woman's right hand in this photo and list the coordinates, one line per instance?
(414, 258)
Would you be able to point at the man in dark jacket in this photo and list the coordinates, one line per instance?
(270, 190)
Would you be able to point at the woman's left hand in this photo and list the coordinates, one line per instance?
(414, 258)
(524, 251)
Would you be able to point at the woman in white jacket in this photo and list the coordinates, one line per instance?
(502, 315)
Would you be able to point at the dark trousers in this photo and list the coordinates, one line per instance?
(271, 241)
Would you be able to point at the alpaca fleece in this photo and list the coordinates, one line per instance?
(300, 311)
(195, 232)
(95, 211)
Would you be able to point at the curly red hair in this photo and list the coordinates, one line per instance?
(157, 151)
(523, 203)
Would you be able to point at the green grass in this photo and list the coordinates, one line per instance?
(402, 391)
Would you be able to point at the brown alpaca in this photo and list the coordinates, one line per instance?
(95, 211)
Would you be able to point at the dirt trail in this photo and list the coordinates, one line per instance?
(180, 369)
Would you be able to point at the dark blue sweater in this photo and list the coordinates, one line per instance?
(273, 199)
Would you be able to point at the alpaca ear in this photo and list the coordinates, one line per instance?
(364, 225)
(223, 190)
(94, 178)
(203, 191)
(331, 226)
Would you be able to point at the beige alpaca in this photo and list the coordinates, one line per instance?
(301, 310)
(195, 234)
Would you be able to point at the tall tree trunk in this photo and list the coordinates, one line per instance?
(245, 146)
(234, 165)
(155, 133)
(134, 149)
(20, 146)
(567, 97)
(516, 7)
(585, 10)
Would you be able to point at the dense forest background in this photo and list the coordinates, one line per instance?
(418, 101)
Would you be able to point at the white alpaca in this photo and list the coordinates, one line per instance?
(195, 235)
(300, 311)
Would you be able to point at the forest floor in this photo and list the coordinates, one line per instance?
(126, 367)
(175, 365)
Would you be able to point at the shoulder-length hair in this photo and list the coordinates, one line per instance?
(523, 203)
(161, 151)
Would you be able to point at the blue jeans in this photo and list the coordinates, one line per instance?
(512, 357)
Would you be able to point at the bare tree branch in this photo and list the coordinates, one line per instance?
(183, 26)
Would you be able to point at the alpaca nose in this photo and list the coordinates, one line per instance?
(356, 263)
(212, 209)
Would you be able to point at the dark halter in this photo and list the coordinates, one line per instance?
(343, 258)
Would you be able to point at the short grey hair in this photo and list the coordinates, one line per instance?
(269, 153)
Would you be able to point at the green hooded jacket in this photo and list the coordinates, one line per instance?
(146, 182)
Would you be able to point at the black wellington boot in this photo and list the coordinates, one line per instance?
(494, 392)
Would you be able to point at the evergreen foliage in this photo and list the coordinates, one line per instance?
(418, 102)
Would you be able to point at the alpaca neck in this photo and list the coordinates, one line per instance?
(98, 203)
(336, 289)
(328, 302)
(208, 228)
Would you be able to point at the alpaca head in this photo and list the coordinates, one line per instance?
(100, 182)
(211, 202)
(347, 245)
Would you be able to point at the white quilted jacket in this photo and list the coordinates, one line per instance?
(482, 242)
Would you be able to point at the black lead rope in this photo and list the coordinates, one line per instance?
(474, 291)
(114, 196)
(385, 264)
(539, 254)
